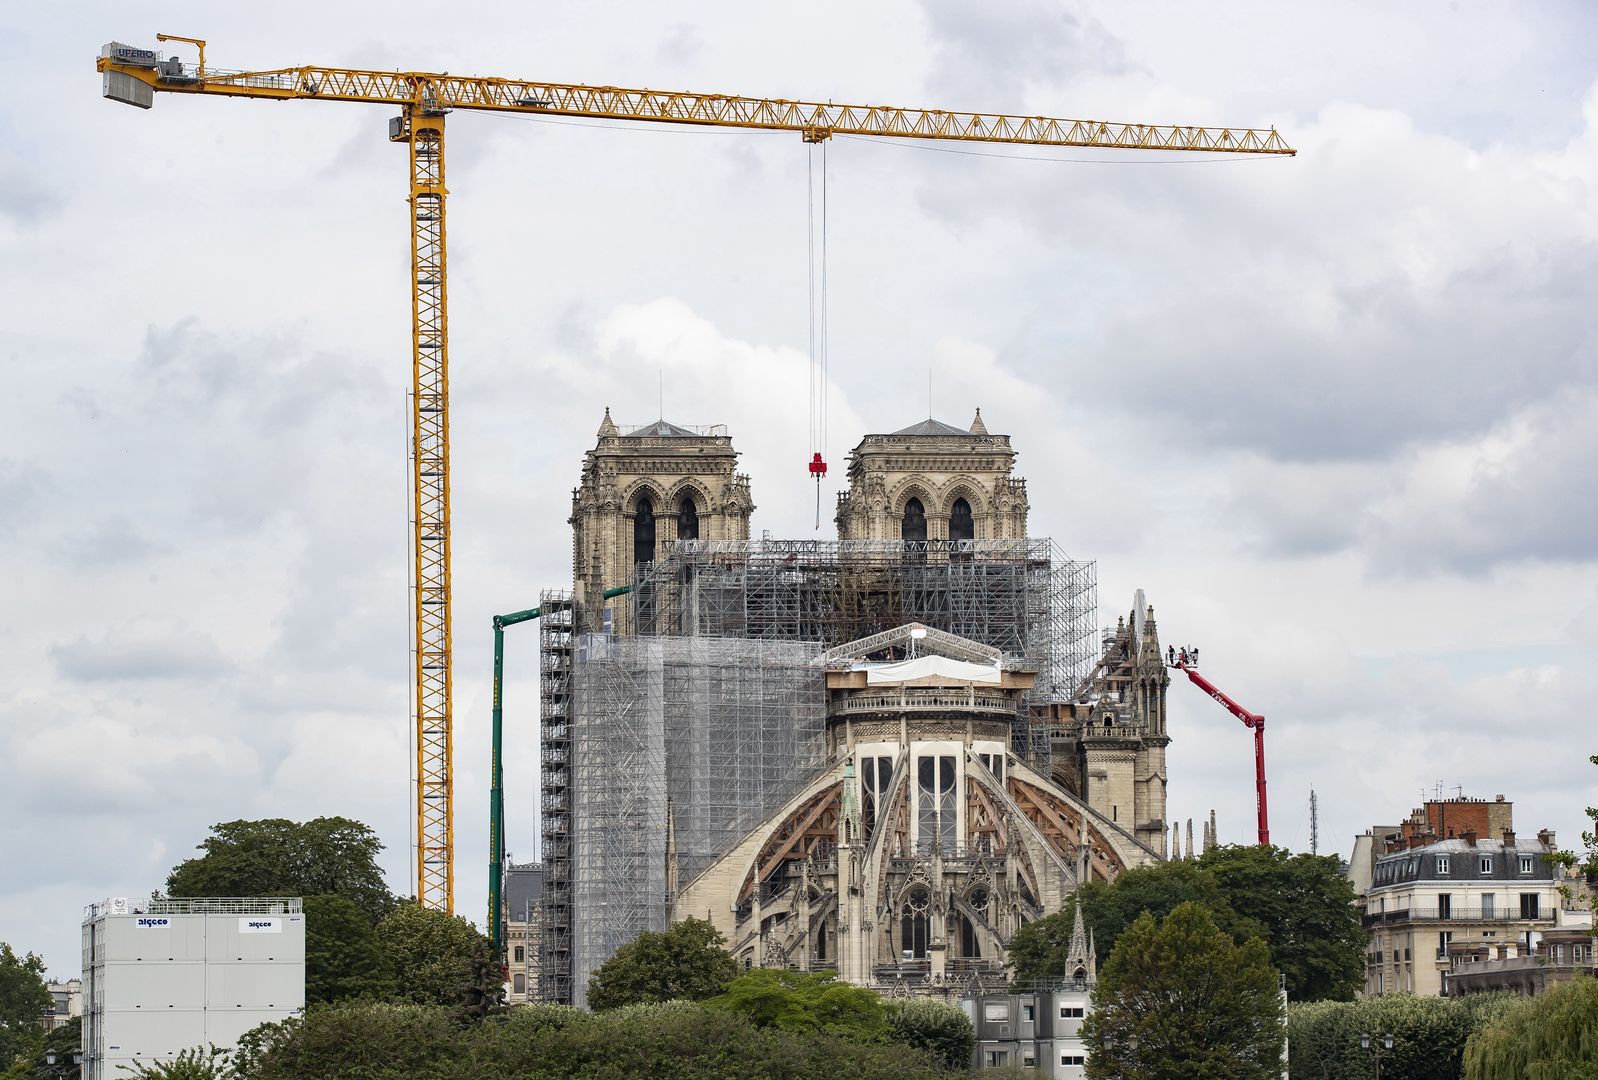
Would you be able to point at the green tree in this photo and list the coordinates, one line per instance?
(23, 997)
(676, 1040)
(942, 1030)
(1553, 1036)
(1587, 860)
(439, 959)
(687, 962)
(200, 1063)
(342, 957)
(1305, 907)
(1429, 1035)
(276, 857)
(1178, 999)
(801, 1001)
(1038, 950)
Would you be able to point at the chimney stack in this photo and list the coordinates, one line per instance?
(1470, 837)
(1509, 838)
(1545, 837)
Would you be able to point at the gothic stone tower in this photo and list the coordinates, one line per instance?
(1110, 745)
(933, 481)
(644, 489)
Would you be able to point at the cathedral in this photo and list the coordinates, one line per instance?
(879, 755)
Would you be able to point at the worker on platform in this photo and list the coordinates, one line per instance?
(1170, 655)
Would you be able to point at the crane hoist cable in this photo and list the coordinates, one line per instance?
(817, 267)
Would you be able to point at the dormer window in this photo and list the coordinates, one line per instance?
(1442, 864)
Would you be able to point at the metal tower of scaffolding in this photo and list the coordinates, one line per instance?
(696, 729)
(555, 643)
(680, 747)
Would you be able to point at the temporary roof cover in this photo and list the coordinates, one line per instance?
(932, 666)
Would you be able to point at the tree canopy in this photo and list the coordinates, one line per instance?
(439, 959)
(942, 1030)
(23, 996)
(1300, 904)
(676, 1040)
(687, 962)
(1429, 1035)
(1304, 907)
(277, 857)
(1178, 999)
(343, 958)
(1553, 1036)
(1038, 950)
(805, 1001)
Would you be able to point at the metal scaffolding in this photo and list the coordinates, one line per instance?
(555, 644)
(694, 730)
(1024, 597)
(679, 747)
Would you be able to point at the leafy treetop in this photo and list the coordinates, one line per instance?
(688, 962)
(277, 857)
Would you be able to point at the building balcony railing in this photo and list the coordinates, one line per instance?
(1455, 914)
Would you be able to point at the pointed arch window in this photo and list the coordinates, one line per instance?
(962, 526)
(644, 531)
(913, 924)
(688, 519)
(914, 525)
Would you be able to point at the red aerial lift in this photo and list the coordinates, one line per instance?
(1184, 662)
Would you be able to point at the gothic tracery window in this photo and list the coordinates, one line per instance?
(644, 531)
(935, 809)
(913, 924)
(961, 524)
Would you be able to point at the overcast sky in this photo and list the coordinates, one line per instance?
(1336, 414)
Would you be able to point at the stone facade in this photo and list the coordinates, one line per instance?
(933, 481)
(913, 859)
(641, 491)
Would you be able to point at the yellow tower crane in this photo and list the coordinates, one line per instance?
(133, 76)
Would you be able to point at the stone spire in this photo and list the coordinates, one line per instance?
(977, 426)
(607, 426)
(1080, 957)
(1176, 840)
(1190, 838)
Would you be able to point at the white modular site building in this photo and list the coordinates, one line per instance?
(161, 976)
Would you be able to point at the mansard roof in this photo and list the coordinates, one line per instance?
(660, 429)
(930, 426)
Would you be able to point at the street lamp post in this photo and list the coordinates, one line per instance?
(1376, 1047)
(74, 1068)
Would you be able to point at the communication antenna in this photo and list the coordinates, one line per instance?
(1314, 823)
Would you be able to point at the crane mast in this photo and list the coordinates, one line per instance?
(1252, 720)
(134, 75)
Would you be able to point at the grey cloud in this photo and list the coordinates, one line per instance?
(21, 483)
(23, 198)
(987, 55)
(1539, 501)
(1525, 492)
(141, 651)
(112, 540)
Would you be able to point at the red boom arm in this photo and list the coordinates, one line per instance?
(1253, 720)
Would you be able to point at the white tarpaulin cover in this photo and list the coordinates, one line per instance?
(932, 666)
